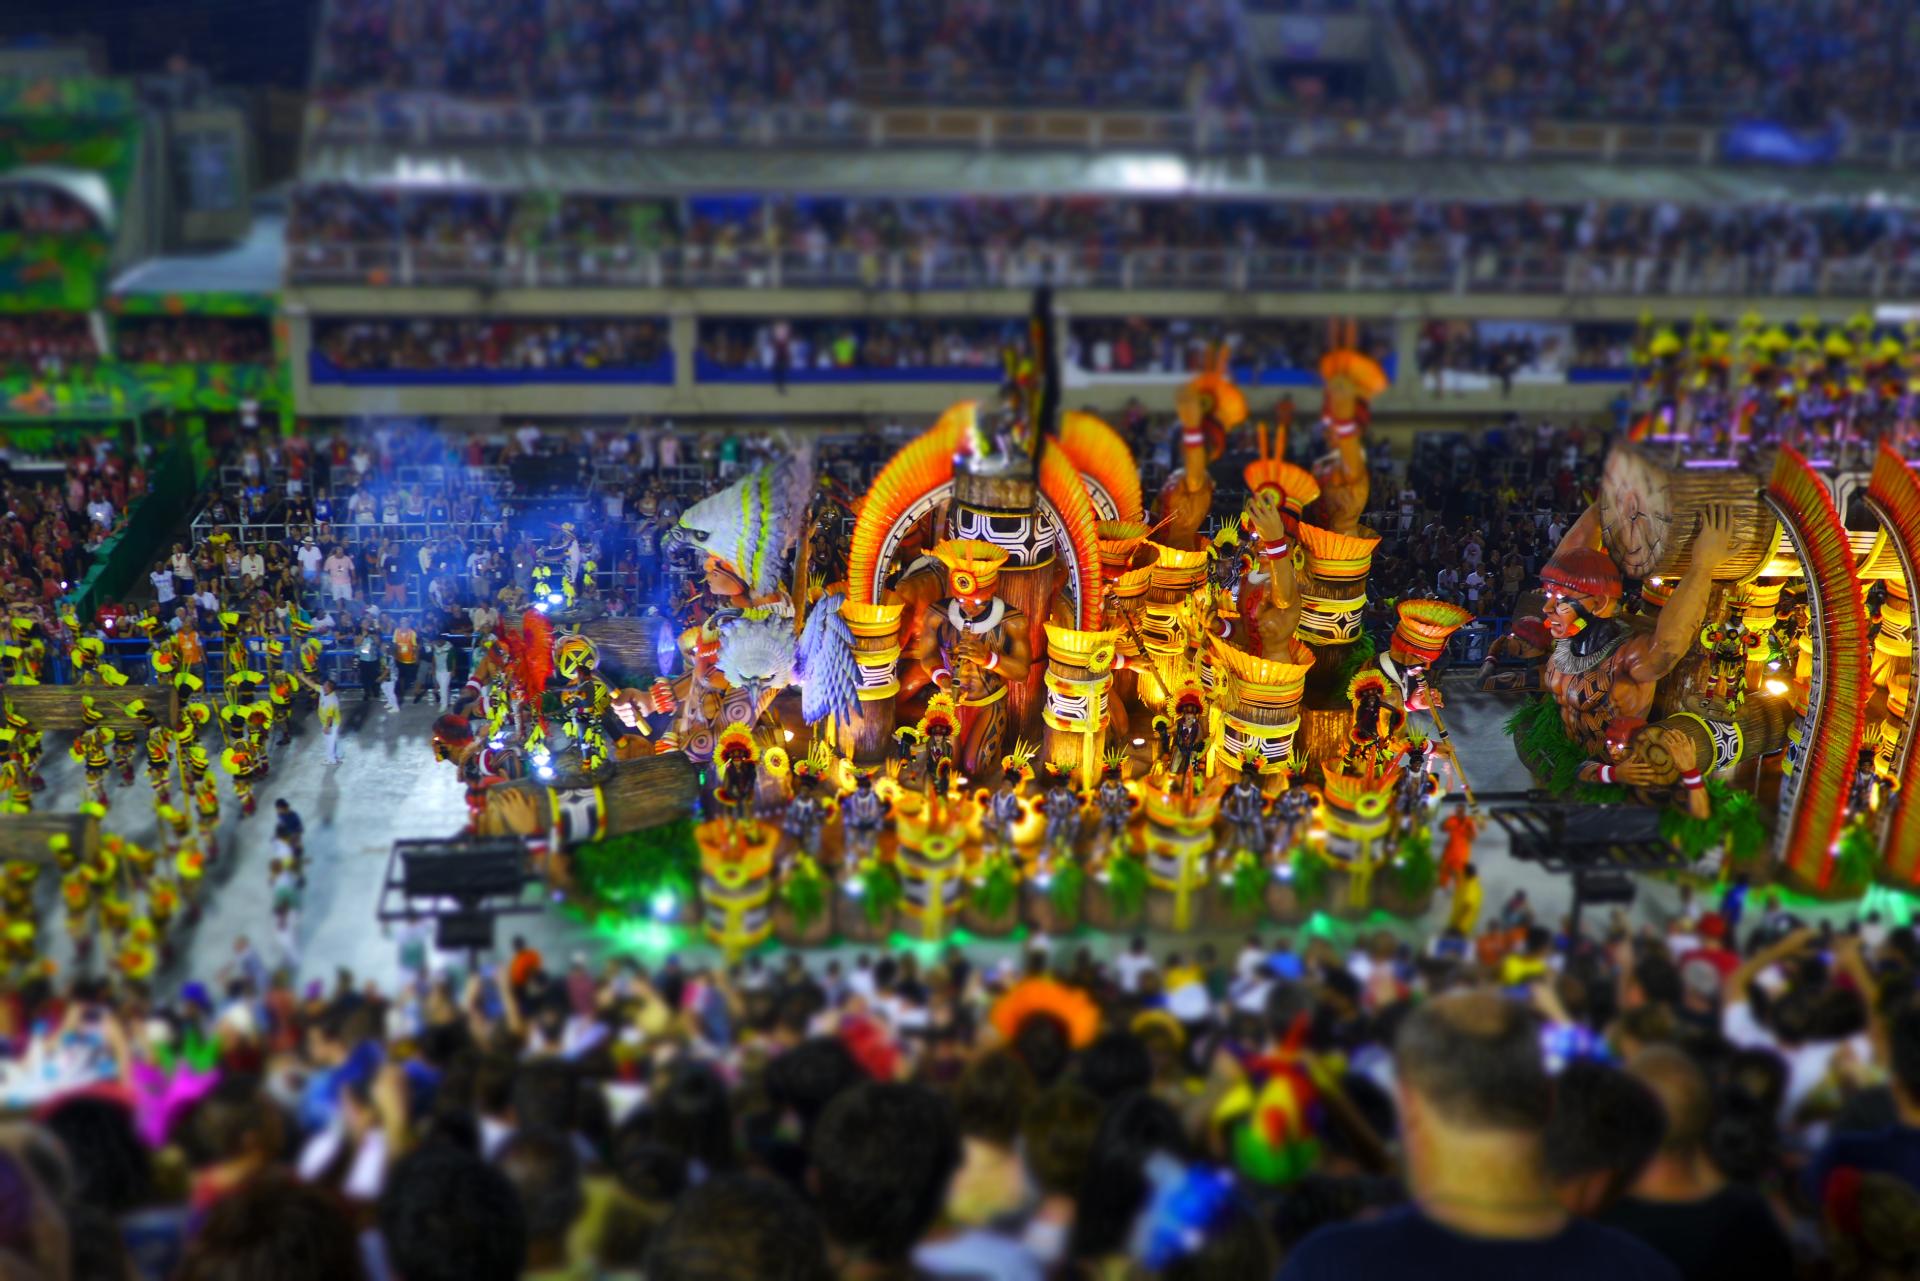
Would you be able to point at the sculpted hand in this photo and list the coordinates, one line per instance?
(1681, 748)
(1638, 773)
(1714, 543)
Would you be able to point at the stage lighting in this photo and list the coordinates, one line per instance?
(663, 904)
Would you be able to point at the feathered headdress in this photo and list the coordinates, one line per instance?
(757, 654)
(751, 526)
(939, 712)
(1030, 997)
(735, 737)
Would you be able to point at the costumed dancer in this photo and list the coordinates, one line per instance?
(1113, 805)
(739, 776)
(1061, 808)
(1183, 737)
(807, 812)
(1003, 808)
(862, 814)
(1415, 790)
(1376, 721)
(1244, 809)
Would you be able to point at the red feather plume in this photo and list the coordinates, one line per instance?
(533, 656)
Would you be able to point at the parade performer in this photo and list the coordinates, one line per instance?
(1292, 810)
(1003, 808)
(1461, 827)
(1414, 791)
(1113, 805)
(1376, 722)
(1463, 916)
(1183, 737)
(1244, 809)
(738, 774)
(807, 812)
(1061, 807)
(862, 814)
(972, 645)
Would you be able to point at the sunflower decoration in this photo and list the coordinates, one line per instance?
(1035, 997)
(776, 763)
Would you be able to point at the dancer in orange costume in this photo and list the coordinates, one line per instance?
(1460, 827)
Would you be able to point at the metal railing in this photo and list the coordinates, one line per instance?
(411, 263)
(433, 119)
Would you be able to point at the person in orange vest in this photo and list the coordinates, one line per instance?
(1460, 827)
(406, 657)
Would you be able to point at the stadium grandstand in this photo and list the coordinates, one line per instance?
(868, 640)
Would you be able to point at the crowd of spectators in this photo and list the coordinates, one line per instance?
(202, 340)
(657, 56)
(1712, 1093)
(446, 344)
(941, 241)
(50, 526)
(1473, 519)
(1139, 345)
(1157, 54)
(46, 343)
(784, 346)
(43, 211)
(1699, 60)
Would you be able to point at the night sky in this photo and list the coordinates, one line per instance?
(239, 42)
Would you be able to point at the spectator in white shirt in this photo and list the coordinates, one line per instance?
(162, 580)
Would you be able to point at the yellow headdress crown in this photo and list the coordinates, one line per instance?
(973, 565)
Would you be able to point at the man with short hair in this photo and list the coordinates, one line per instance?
(1681, 1205)
(1474, 1097)
(882, 1157)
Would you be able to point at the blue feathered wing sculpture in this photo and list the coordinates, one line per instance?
(829, 679)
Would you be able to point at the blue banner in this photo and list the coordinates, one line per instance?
(1762, 142)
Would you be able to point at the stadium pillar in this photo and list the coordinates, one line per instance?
(1406, 351)
(683, 333)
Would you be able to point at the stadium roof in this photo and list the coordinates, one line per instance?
(251, 267)
(892, 171)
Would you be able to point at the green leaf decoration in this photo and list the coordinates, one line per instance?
(805, 893)
(879, 890)
(628, 870)
(1732, 818)
(1126, 885)
(1069, 881)
(1858, 854)
(1418, 871)
(1358, 655)
(1555, 759)
(1309, 874)
(1246, 884)
(996, 891)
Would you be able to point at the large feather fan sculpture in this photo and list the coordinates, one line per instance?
(829, 679)
(753, 524)
(756, 654)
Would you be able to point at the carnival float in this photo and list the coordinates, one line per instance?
(1020, 691)
(1006, 688)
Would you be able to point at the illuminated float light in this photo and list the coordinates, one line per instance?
(1042, 881)
(1139, 742)
(855, 889)
(541, 608)
(663, 904)
(555, 598)
(544, 771)
(1776, 686)
(1283, 871)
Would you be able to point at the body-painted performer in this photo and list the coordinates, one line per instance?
(974, 644)
(1601, 668)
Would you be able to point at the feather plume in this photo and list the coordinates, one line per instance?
(828, 676)
(757, 654)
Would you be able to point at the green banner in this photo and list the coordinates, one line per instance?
(116, 391)
(210, 303)
(44, 272)
(66, 97)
